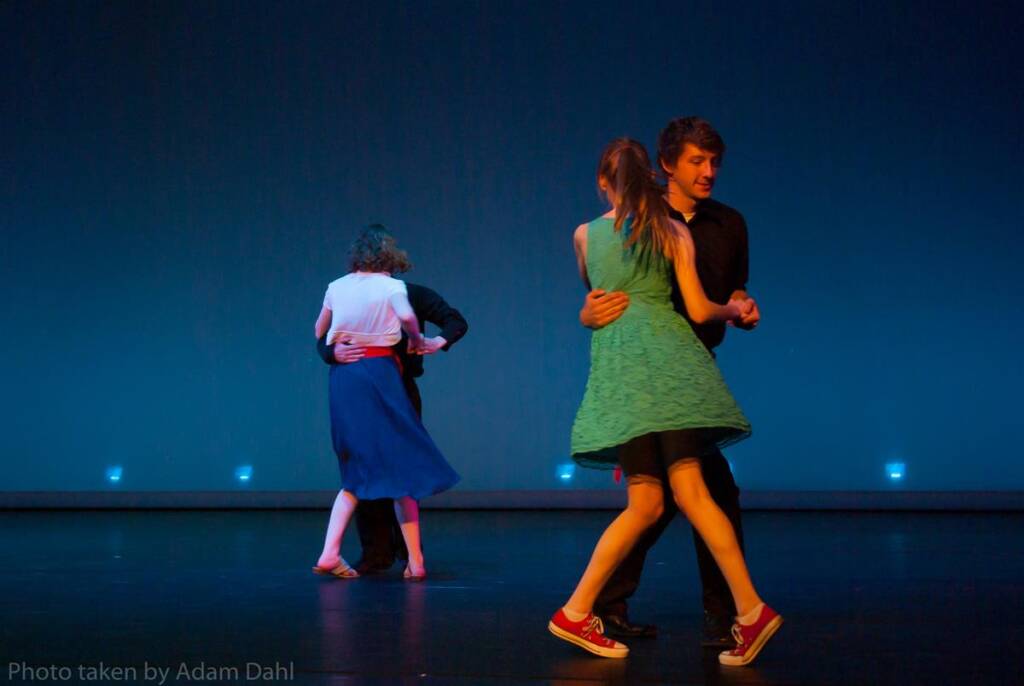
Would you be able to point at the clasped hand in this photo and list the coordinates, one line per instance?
(426, 346)
(749, 314)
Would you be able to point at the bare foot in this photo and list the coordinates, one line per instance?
(415, 570)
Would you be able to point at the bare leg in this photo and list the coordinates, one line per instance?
(646, 504)
(408, 512)
(693, 499)
(341, 513)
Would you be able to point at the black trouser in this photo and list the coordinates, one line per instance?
(717, 598)
(379, 533)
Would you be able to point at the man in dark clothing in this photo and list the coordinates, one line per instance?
(379, 534)
(689, 152)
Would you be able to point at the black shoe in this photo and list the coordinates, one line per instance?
(717, 631)
(365, 567)
(619, 627)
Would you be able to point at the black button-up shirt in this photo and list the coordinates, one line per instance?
(720, 239)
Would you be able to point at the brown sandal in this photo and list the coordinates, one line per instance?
(342, 571)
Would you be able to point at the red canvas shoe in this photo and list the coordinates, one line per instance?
(587, 633)
(750, 638)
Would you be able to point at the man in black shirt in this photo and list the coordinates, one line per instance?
(689, 152)
(379, 534)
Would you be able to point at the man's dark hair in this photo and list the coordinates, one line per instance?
(685, 130)
(374, 250)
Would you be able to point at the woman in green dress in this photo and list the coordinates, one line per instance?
(655, 401)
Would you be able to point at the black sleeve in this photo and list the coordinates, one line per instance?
(326, 351)
(431, 307)
(742, 258)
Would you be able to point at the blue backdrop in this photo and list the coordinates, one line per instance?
(180, 182)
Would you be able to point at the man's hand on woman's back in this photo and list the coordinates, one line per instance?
(344, 353)
(601, 308)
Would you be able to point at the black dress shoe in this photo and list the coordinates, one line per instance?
(365, 567)
(717, 632)
(619, 626)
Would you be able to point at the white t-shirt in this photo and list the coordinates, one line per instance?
(361, 309)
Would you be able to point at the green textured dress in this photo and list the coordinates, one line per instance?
(648, 370)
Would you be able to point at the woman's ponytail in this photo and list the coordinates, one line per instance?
(625, 165)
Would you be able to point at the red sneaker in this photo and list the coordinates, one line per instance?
(750, 638)
(587, 633)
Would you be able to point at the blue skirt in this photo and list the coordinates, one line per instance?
(383, 449)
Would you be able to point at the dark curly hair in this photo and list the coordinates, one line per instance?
(678, 132)
(374, 250)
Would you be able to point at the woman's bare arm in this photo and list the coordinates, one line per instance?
(700, 309)
(579, 244)
(406, 315)
(323, 323)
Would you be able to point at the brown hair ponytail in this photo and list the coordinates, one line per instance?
(625, 165)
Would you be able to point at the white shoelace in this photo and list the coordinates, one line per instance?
(594, 624)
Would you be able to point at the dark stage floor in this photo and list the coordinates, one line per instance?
(869, 599)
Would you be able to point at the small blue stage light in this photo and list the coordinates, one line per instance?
(895, 471)
(114, 474)
(566, 471)
(244, 473)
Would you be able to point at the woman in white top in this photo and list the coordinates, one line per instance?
(383, 449)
